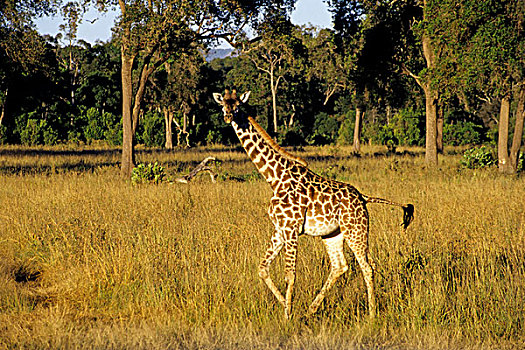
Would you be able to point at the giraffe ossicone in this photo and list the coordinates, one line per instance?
(305, 203)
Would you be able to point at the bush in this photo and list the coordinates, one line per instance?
(113, 136)
(38, 132)
(387, 136)
(345, 136)
(407, 125)
(479, 157)
(291, 137)
(325, 129)
(405, 128)
(154, 132)
(461, 133)
(3, 134)
(148, 173)
(100, 125)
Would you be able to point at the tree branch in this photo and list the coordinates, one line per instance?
(408, 72)
(201, 167)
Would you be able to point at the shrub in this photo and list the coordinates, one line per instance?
(405, 128)
(387, 136)
(114, 135)
(461, 133)
(478, 157)
(100, 125)
(3, 134)
(38, 132)
(50, 136)
(345, 135)
(292, 136)
(154, 132)
(148, 173)
(325, 129)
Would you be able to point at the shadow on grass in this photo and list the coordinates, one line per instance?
(85, 160)
(21, 160)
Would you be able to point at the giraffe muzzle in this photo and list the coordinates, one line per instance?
(228, 118)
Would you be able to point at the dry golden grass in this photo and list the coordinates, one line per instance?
(90, 261)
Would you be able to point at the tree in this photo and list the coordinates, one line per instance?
(277, 54)
(176, 86)
(72, 12)
(326, 64)
(21, 46)
(483, 46)
(348, 25)
(147, 31)
(404, 45)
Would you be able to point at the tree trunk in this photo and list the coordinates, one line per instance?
(431, 100)
(431, 157)
(168, 119)
(359, 113)
(274, 103)
(388, 114)
(518, 130)
(4, 102)
(439, 130)
(128, 152)
(504, 162)
(503, 136)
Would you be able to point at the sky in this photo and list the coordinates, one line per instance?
(313, 12)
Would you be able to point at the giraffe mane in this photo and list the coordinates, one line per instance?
(274, 144)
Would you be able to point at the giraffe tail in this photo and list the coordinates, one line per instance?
(408, 209)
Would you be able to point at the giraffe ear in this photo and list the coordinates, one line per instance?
(217, 97)
(244, 97)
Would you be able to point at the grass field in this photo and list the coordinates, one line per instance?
(90, 261)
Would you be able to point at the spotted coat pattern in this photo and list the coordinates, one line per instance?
(305, 203)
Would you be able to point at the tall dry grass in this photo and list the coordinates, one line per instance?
(90, 261)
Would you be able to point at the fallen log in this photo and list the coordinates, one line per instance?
(201, 167)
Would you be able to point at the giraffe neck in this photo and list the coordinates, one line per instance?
(270, 163)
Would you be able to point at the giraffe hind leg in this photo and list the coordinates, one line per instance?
(338, 266)
(360, 250)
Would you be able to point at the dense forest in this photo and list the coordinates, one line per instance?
(417, 72)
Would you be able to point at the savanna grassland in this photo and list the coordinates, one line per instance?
(90, 261)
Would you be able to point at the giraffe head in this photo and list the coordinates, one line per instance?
(230, 103)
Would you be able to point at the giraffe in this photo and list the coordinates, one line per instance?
(305, 203)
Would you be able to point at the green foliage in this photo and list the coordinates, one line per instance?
(325, 129)
(3, 134)
(408, 127)
(405, 128)
(153, 129)
(478, 157)
(38, 132)
(461, 133)
(98, 124)
(291, 137)
(345, 136)
(387, 137)
(148, 173)
(114, 135)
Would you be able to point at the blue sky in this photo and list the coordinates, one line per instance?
(306, 12)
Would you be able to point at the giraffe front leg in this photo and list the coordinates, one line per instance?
(276, 245)
(290, 251)
(338, 266)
